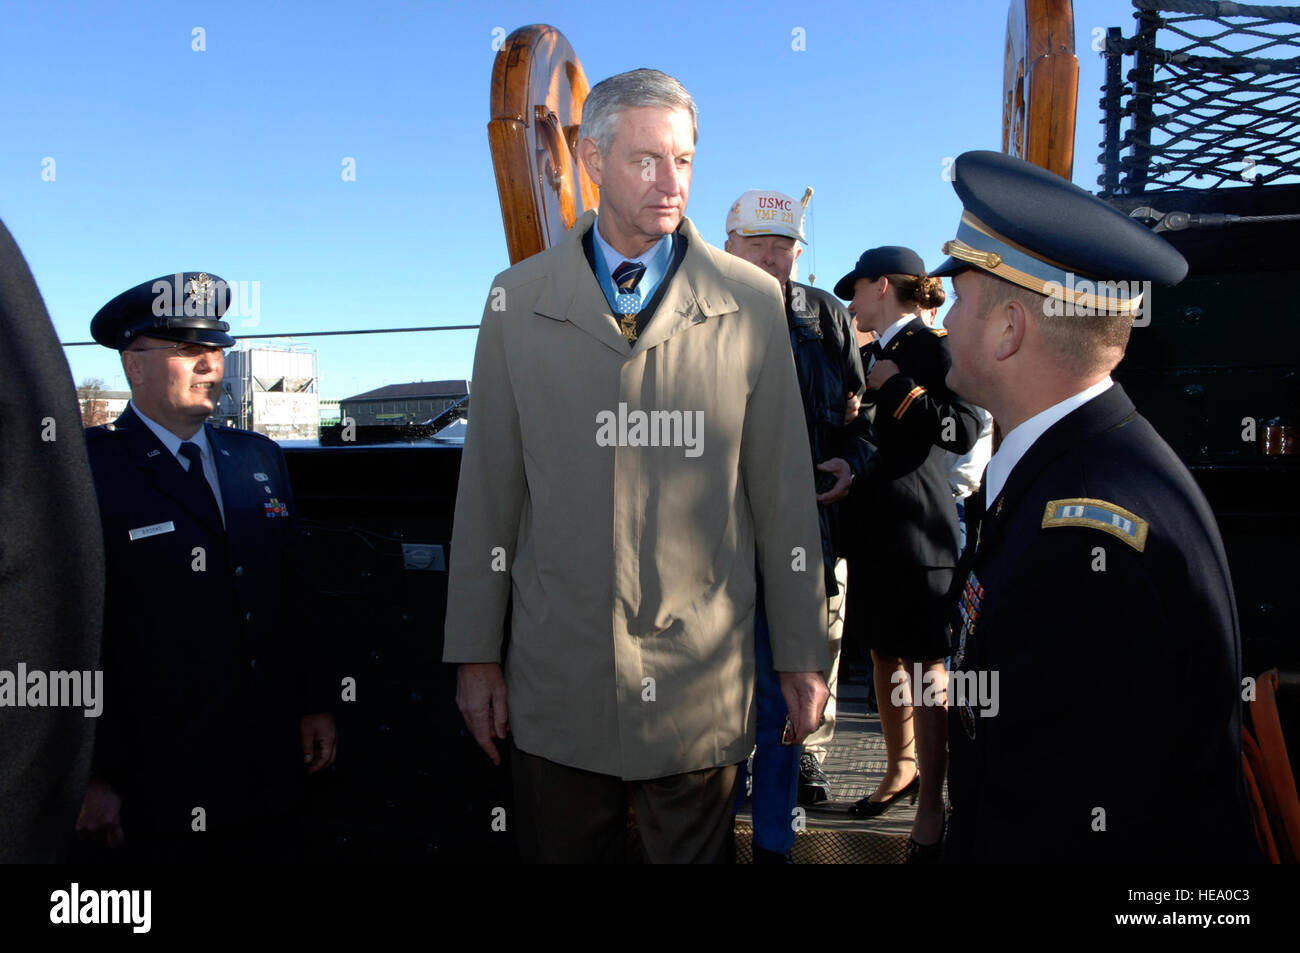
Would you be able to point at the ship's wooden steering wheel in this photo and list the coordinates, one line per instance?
(1040, 85)
(538, 89)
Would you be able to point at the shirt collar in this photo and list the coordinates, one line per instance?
(1018, 441)
(170, 440)
(614, 258)
(892, 331)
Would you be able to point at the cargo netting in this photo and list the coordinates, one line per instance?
(1213, 98)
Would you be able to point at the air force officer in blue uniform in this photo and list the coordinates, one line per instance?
(210, 721)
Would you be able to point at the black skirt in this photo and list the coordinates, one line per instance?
(899, 612)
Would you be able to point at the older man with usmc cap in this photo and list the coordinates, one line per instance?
(1095, 707)
(766, 229)
(209, 714)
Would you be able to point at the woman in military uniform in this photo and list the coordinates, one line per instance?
(905, 529)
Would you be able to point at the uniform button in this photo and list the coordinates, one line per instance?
(252, 664)
(239, 570)
(248, 616)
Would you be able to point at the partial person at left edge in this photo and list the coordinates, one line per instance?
(51, 577)
(214, 710)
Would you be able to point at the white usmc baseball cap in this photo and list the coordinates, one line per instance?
(760, 212)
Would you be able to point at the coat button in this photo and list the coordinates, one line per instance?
(239, 570)
(248, 616)
(252, 664)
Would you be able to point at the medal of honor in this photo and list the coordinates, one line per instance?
(627, 324)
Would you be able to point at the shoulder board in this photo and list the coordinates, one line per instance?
(939, 332)
(1097, 514)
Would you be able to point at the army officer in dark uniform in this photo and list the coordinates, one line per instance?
(1095, 700)
(209, 713)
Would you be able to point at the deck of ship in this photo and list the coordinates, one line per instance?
(854, 765)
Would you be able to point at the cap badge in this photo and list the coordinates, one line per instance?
(201, 289)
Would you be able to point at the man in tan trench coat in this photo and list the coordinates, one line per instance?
(620, 475)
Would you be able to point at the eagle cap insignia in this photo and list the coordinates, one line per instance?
(201, 289)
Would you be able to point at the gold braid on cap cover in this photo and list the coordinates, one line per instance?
(995, 265)
(962, 252)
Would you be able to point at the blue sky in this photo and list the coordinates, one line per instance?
(229, 159)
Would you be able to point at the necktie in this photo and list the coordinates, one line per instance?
(873, 352)
(627, 301)
(190, 451)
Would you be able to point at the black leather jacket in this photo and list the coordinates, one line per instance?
(830, 368)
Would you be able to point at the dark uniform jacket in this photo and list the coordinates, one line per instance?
(202, 664)
(903, 509)
(829, 367)
(51, 573)
(1097, 589)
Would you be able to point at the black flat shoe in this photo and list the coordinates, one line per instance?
(866, 807)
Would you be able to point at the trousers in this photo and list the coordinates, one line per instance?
(775, 769)
(819, 741)
(565, 815)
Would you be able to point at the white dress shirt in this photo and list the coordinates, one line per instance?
(966, 469)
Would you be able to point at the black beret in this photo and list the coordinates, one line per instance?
(186, 306)
(1032, 227)
(874, 262)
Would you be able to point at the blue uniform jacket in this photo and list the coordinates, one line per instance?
(204, 628)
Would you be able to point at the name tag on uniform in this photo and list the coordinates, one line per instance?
(157, 529)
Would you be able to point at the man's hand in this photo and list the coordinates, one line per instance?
(101, 813)
(881, 371)
(843, 479)
(318, 741)
(481, 698)
(851, 407)
(805, 696)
